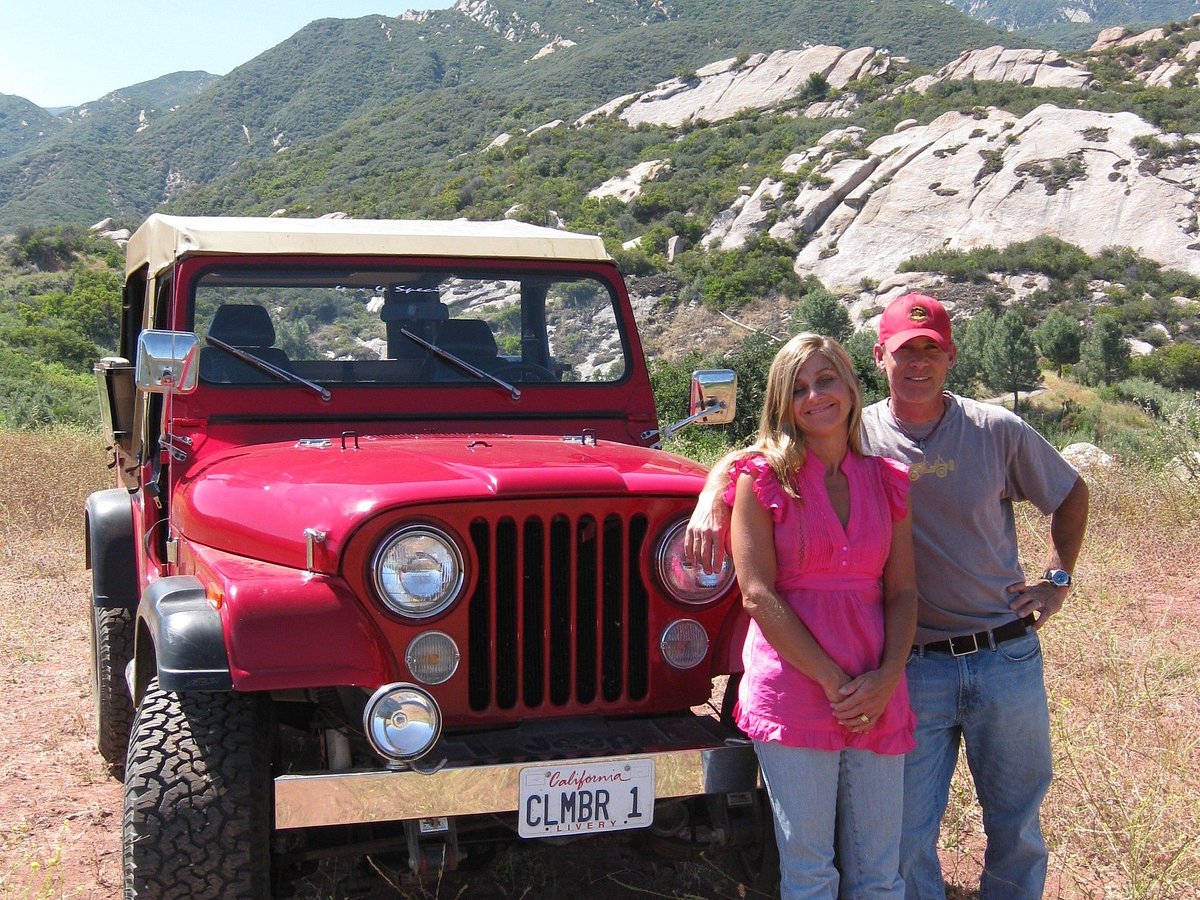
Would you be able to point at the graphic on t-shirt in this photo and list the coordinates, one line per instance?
(941, 468)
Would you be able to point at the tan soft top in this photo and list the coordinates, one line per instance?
(163, 239)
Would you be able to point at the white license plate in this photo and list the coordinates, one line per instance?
(586, 797)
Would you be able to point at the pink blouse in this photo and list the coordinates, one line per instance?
(831, 577)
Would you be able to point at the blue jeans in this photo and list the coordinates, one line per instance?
(817, 796)
(994, 701)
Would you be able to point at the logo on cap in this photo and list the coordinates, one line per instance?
(918, 314)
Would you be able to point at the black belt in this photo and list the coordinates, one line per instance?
(969, 643)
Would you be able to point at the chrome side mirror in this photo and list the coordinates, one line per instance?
(713, 396)
(167, 362)
(712, 401)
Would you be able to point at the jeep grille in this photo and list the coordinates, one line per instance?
(560, 614)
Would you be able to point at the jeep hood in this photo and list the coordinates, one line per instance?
(259, 500)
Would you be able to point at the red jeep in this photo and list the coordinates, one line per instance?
(392, 561)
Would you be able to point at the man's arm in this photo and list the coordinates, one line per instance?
(1067, 526)
(704, 542)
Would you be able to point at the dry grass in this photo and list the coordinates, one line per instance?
(1123, 673)
(1122, 661)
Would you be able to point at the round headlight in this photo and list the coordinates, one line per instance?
(418, 571)
(684, 643)
(432, 657)
(685, 582)
(402, 722)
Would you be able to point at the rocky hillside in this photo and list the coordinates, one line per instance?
(980, 178)
(860, 207)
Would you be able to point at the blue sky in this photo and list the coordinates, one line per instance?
(69, 52)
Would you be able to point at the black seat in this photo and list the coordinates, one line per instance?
(471, 340)
(248, 327)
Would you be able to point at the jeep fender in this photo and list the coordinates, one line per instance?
(110, 549)
(188, 644)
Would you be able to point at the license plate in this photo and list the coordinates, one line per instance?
(586, 797)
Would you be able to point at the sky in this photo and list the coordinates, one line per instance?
(70, 52)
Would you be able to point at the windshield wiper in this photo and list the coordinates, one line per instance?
(270, 368)
(513, 390)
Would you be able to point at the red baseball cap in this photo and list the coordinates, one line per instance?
(914, 315)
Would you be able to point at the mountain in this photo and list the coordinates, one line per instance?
(472, 67)
(1016, 15)
(1072, 24)
(24, 124)
(84, 160)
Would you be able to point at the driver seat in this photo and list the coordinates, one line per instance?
(248, 327)
(472, 341)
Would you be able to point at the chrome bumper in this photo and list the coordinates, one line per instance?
(307, 801)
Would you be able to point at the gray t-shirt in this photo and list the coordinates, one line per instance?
(978, 462)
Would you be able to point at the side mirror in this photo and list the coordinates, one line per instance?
(713, 396)
(167, 362)
(712, 401)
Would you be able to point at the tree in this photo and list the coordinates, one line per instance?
(1059, 338)
(1104, 355)
(968, 365)
(1176, 366)
(1010, 361)
(861, 347)
(822, 312)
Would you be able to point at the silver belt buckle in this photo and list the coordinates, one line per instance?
(971, 639)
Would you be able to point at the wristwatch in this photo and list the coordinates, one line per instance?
(1058, 577)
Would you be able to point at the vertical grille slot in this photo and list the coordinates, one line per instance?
(560, 613)
(533, 603)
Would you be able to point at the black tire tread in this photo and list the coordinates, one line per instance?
(112, 649)
(198, 798)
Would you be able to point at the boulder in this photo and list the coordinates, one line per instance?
(626, 187)
(1108, 38)
(723, 89)
(1036, 68)
(1084, 456)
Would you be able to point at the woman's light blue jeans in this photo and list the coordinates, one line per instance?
(994, 701)
(851, 796)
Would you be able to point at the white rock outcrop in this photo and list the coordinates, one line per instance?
(628, 186)
(973, 180)
(1035, 68)
(723, 89)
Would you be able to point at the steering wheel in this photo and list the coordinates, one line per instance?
(524, 371)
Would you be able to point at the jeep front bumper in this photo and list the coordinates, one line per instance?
(708, 764)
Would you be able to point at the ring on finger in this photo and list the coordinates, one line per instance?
(864, 718)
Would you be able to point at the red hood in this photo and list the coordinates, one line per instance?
(265, 496)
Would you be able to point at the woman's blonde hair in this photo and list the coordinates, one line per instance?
(779, 440)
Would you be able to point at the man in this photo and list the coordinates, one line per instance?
(975, 673)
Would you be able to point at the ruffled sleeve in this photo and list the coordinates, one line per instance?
(766, 486)
(894, 475)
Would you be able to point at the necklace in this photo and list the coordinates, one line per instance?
(920, 441)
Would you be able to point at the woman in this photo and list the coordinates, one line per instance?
(821, 539)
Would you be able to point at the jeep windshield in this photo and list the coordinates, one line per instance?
(437, 326)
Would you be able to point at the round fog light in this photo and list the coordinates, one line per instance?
(432, 657)
(402, 722)
(684, 643)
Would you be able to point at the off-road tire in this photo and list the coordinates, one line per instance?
(198, 797)
(112, 705)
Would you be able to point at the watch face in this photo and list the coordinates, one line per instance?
(1059, 578)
